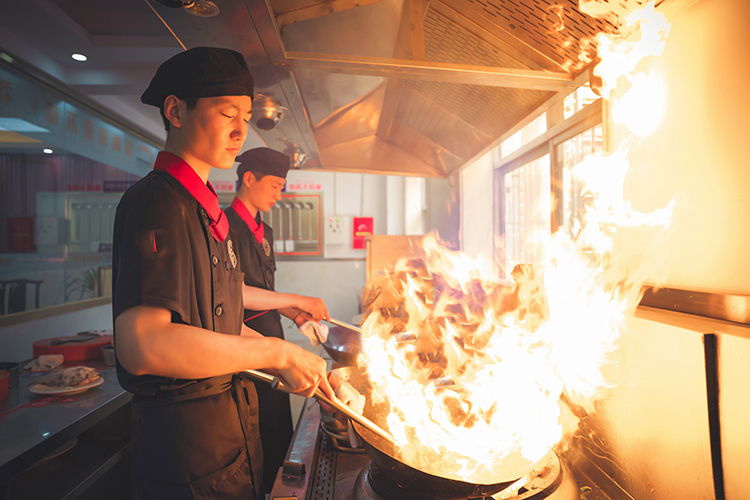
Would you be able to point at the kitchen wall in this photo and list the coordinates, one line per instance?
(699, 155)
(698, 158)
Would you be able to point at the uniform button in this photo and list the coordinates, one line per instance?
(226, 266)
(215, 260)
(219, 310)
(203, 212)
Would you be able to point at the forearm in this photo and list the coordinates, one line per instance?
(289, 312)
(146, 346)
(258, 299)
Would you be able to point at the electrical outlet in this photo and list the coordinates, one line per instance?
(50, 231)
(335, 231)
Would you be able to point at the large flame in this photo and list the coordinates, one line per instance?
(471, 372)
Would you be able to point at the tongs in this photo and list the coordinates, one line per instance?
(335, 403)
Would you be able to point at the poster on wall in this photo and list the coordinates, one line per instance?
(362, 227)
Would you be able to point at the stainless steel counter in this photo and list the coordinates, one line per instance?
(32, 426)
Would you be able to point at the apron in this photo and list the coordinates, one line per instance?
(276, 427)
(192, 430)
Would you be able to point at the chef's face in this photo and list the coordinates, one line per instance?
(265, 192)
(214, 131)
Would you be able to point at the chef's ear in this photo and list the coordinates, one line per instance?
(247, 178)
(174, 109)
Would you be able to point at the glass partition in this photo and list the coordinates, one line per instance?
(63, 169)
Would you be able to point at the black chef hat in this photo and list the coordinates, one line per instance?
(200, 72)
(264, 161)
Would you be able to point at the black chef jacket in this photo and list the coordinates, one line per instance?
(194, 438)
(276, 428)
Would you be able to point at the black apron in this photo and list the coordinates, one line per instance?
(258, 262)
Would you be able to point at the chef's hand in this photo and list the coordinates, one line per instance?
(303, 372)
(302, 317)
(313, 306)
(335, 382)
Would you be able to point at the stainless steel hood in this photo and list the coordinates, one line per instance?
(404, 87)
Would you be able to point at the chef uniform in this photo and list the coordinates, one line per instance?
(253, 239)
(172, 250)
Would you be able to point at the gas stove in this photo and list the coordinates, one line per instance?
(321, 466)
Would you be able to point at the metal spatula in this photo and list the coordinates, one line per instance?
(336, 403)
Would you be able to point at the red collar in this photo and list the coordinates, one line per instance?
(244, 213)
(203, 193)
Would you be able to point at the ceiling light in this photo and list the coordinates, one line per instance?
(79, 57)
(47, 151)
(5, 57)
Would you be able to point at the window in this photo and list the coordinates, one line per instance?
(577, 100)
(535, 189)
(569, 154)
(527, 212)
(63, 169)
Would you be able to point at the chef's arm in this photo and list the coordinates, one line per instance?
(298, 316)
(259, 299)
(148, 343)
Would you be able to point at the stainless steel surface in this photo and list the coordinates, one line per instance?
(303, 450)
(345, 325)
(718, 305)
(31, 429)
(430, 70)
(331, 473)
(336, 403)
(650, 435)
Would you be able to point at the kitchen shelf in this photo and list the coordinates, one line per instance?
(72, 474)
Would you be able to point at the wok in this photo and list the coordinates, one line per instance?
(343, 345)
(382, 454)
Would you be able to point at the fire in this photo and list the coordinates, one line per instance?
(470, 372)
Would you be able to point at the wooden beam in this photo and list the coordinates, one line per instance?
(429, 70)
(416, 18)
(319, 9)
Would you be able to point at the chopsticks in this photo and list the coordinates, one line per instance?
(335, 403)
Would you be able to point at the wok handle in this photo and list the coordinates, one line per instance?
(335, 403)
(345, 325)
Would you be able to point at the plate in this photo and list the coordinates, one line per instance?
(43, 389)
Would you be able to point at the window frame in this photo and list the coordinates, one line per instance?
(587, 118)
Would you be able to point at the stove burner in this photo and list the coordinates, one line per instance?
(372, 484)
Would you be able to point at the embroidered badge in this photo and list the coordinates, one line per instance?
(266, 247)
(232, 257)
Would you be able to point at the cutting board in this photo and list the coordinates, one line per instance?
(73, 351)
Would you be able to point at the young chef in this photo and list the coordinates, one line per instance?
(178, 297)
(262, 173)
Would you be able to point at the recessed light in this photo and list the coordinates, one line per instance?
(79, 57)
(47, 151)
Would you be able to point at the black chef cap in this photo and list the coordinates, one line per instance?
(200, 72)
(264, 161)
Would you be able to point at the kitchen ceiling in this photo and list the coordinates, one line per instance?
(410, 87)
